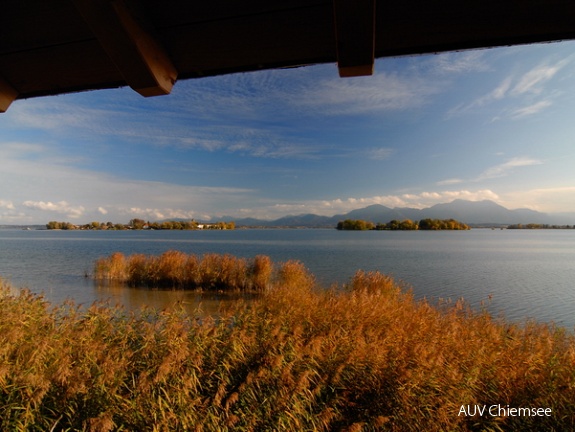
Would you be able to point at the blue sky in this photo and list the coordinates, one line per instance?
(493, 124)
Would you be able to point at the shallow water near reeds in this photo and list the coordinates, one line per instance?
(520, 273)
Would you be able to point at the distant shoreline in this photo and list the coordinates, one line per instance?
(291, 227)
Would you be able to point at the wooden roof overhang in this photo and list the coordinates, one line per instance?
(50, 47)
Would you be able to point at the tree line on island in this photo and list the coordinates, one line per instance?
(404, 225)
(539, 226)
(140, 224)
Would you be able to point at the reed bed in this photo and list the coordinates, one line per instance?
(175, 269)
(361, 357)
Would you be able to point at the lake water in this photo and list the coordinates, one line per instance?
(521, 273)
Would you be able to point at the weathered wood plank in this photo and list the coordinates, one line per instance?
(139, 57)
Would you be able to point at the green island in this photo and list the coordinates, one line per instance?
(362, 356)
(140, 224)
(405, 225)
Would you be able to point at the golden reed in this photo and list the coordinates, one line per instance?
(364, 356)
(176, 269)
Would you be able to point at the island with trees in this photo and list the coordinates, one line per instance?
(405, 225)
(539, 226)
(140, 224)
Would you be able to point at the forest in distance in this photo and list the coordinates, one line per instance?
(405, 225)
(140, 224)
(539, 226)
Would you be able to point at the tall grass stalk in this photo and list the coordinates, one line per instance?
(364, 358)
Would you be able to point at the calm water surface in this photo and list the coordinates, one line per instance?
(526, 274)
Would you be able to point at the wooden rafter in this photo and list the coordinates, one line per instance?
(355, 36)
(139, 57)
(7, 95)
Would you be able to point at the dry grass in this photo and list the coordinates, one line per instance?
(176, 269)
(363, 357)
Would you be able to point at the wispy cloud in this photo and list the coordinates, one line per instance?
(506, 168)
(381, 153)
(144, 128)
(531, 81)
(463, 62)
(380, 93)
(530, 109)
(514, 89)
(499, 92)
(449, 182)
(496, 94)
(67, 114)
(249, 141)
(20, 149)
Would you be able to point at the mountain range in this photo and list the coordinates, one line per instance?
(473, 213)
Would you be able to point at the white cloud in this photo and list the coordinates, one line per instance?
(496, 94)
(500, 91)
(530, 82)
(449, 182)
(8, 212)
(6, 204)
(518, 89)
(461, 62)
(61, 207)
(20, 149)
(382, 92)
(250, 142)
(381, 153)
(530, 109)
(505, 168)
(314, 90)
(63, 114)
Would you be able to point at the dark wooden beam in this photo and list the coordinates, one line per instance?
(355, 36)
(137, 54)
(7, 95)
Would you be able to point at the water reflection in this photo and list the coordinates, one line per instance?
(193, 302)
